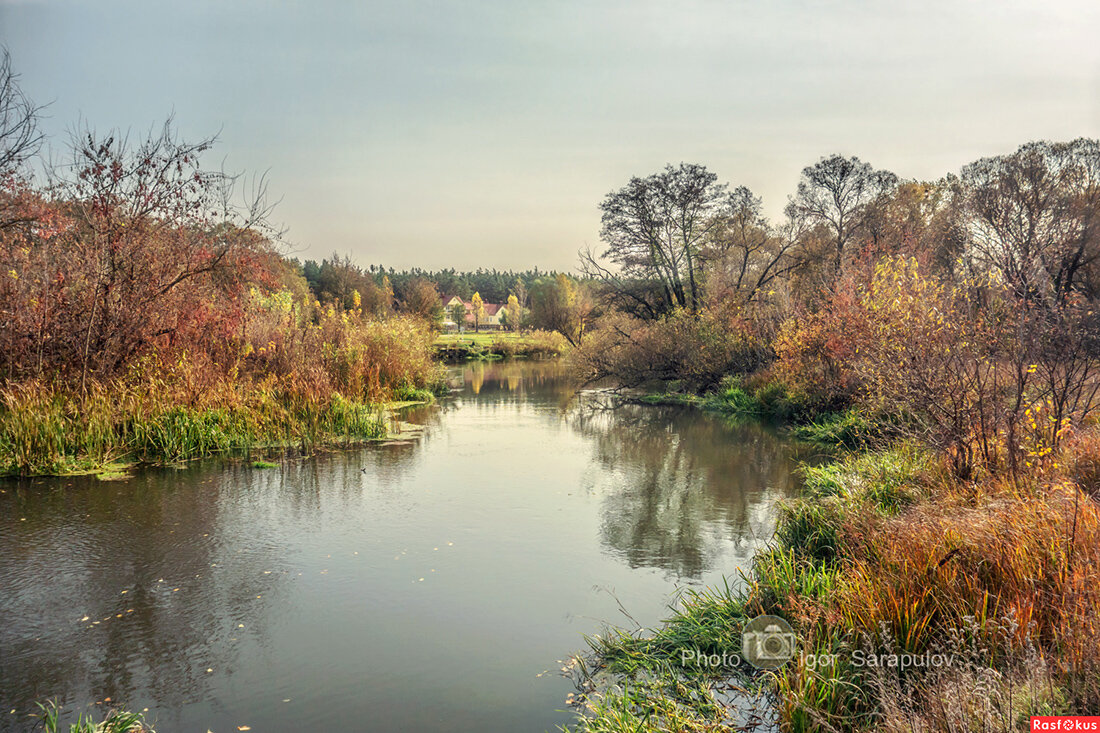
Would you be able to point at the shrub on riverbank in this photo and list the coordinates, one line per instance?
(695, 349)
(146, 315)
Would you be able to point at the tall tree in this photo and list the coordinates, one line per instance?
(1034, 216)
(840, 192)
(420, 297)
(20, 139)
(655, 227)
(478, 308)
(458, 315)
(513, 313)
(557, 304)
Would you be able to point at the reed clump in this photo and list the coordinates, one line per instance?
(114, 721)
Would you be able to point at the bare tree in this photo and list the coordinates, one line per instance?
(839, 192)
(1034, 217)
(745, 255)
(20, 139)
(640, 296)
(147, 219)
(656, 226)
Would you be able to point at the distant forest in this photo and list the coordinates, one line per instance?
(334, 279)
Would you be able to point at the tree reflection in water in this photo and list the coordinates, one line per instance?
(678, 485)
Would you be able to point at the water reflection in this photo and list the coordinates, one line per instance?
(677, 487)
(678, 490)
(417, 586)
(105, 584)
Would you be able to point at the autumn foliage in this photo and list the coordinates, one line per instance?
(142, 295)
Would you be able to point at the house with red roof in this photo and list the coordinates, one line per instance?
(490, 318)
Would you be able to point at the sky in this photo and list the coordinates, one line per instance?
(485, 133)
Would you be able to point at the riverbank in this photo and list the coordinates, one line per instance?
(830, 426)
(986, 587)
(112, 428)
(458, 347)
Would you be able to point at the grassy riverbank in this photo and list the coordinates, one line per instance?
(48, 432)
(499, 344)
(302, 387)
(887, 553)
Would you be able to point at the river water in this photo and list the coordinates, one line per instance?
(426, 586)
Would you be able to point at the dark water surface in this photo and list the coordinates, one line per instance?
(418, 587)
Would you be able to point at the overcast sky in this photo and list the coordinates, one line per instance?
(486, 132)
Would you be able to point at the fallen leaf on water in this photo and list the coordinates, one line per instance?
(243, 727)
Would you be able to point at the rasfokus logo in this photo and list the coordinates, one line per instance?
(767, 642)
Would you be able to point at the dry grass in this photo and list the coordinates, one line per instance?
(296, 383)
(1004, 577)
(888, 554)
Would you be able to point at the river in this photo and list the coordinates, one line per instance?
(426, 585)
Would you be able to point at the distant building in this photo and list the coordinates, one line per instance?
(490, 319)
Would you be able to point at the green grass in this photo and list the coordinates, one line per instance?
(483, 338)
(499, 344)
(849, 429)
(708, 620)
(408, 395)
(888, 480)
(801, 570)
(115, 721)
(56, 434)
